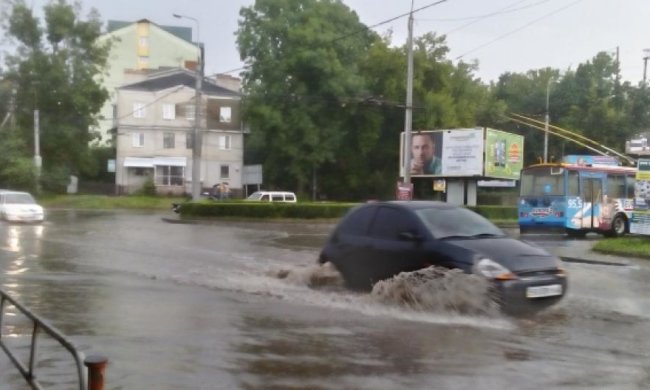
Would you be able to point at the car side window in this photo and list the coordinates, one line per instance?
(356, 223)
(389, 222)
(264, 198)
(277, 198)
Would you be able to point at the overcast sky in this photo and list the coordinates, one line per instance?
(502, 35)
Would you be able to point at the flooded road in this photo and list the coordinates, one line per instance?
(242, 305)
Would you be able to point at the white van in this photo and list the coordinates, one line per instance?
(273, 196)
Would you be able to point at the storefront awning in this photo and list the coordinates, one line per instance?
(150, 162)
(138, 162)
(170, 161)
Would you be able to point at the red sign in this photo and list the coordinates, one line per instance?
(404, 191)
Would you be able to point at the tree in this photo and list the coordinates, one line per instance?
(56, 69)
(302, 59)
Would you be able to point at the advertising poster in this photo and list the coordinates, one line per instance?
(462, 152)
(640, 223)
(588, 160)
(426, 147)
(504, 154)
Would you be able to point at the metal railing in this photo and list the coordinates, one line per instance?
(95, 364)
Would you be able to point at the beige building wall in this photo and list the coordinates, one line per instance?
(142, 46)
(222, 146)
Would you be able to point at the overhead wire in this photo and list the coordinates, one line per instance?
(362, 30)
(500, 37)
(567, 134)
(502, 11)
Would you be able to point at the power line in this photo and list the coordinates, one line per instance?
(361, 30)
(518, 29)
(502, 11)
(153, 102)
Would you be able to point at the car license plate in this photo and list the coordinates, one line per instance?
(544, 291)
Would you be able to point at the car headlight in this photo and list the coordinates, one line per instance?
(493, 270)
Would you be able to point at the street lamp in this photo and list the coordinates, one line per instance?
(196, 145)
(646, 55)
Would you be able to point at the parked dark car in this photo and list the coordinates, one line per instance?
(378, 240)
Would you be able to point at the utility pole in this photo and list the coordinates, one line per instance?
(646, 56)
(196, 145)
(546, 119)
(408, 117)
(37, 150)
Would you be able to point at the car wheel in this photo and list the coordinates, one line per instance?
(618, 227)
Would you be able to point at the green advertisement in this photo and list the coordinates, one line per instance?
(504, 154)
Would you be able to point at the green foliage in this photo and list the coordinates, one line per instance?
(101, 202)
(323, 97)
(148, 188)
(297, 83)
(497, 213)
(96, 166)
(625, 246)
(205, 209)
(55, 70)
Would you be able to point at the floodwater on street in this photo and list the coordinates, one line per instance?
(243, 305)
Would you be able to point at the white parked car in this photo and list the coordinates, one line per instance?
(17, 206)
(273, 196)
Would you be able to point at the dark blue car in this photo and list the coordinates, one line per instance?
(378, 240)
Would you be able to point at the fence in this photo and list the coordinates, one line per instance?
(95, 364)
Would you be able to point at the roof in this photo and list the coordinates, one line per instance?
(184, 33)
(177, 77)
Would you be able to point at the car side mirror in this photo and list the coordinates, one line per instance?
(409, 236)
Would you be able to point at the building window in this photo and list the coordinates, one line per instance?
(169, 175)
(138, 140)
(224, 142)
(143, 41)
(225, 172)
(225, 114)
(190, 112)
(168, 140)
(143, 61)
(169, 111)
(139, 110)
(189, 140)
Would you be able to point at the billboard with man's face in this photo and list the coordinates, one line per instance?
(455, 152)
(465, 152)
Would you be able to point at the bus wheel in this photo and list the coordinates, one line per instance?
(618, 226)
(575, 233)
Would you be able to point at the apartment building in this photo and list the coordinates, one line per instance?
(155, 127)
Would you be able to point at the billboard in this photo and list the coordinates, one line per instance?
(454, 152)
(640, 223)
(504, 154)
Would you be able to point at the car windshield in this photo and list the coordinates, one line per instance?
(19, 199)
(457, 222)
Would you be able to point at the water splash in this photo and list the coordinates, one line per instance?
(439, 290)
(433, 290)
(316, 276)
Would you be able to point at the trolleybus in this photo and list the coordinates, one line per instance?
(576, 198)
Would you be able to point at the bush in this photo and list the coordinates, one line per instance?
(148, 188)
(304, 210)
(264, 210)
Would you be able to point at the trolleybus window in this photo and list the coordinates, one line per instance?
(542, 181)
